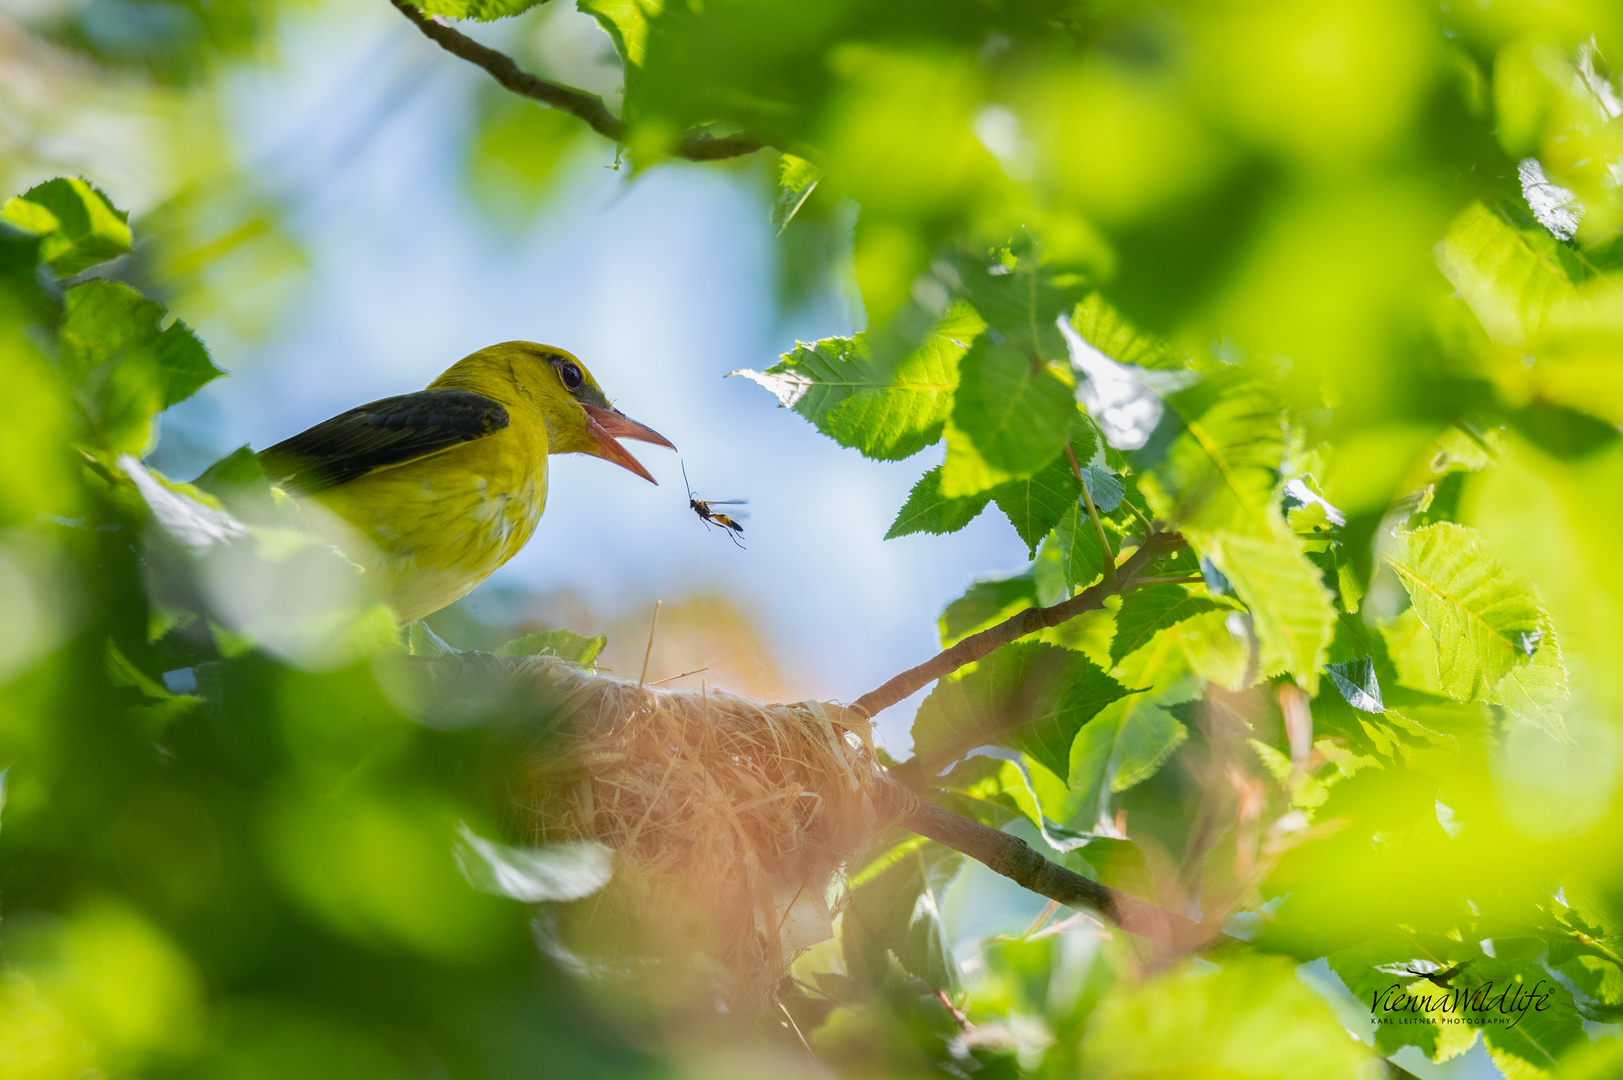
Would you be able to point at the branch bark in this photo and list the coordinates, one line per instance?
(695, 145)
(1029, 621)
(1014, 859)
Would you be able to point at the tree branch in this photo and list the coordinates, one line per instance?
(1014, 859)
(695, 145)
(1029, 621)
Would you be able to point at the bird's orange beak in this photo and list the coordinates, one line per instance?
(608, 426)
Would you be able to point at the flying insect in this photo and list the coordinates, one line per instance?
(702, 507)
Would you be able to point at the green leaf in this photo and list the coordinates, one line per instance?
(554, 872)
(626, 23)
(1026, 696)
(929, 511)
(988, 602)
(1221, 473)
(1081, 552)
(77, 225)
(1292, 611)
(1148, 610)
(797, 179)
(1106, 329)
(1036, 504)
(564, 644)
(1020, 301)
(1104, 487)
(124, 368)
(1484, 620)
(898, 910)
(1541, 1036)
(885, 411)
(1251, 1019)
(1510, 277)
(1124, 745)
(481, 10)
(1015, 410)
(422, 641)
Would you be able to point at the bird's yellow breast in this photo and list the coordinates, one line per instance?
(434, 528)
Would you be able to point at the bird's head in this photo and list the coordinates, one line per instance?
(555, 385)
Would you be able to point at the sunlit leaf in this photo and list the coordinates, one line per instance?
(564, 644)
(1509, 276)
(1252, 1018)
(927, 510)
(626, 23)
(1485, 621)
(797, 179)
(77, 225)
(887, 411)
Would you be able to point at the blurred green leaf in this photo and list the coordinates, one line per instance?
(1124, 745)
(1251, 1019)
(1026, 696)
(1146, 611)
(564, 644)
(1221, 474)
(797, 179)
(898, 910)
(78, 226)
(533, 874)
(929, 511)
(1292, 611)
(987, 602)
(886, 411)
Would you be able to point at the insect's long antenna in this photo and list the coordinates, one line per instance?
(685, 482)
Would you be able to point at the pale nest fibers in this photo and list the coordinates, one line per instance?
(730, 818)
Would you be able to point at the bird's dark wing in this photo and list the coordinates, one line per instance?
(388, 432)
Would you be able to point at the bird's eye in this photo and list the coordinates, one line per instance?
(570, 374)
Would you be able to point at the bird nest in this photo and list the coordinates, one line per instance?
(730, 820)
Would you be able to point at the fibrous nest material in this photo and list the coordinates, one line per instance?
(730, 818)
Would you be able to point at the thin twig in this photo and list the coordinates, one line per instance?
(796, 1028)
(1093, 513)
(673, 678)
(646, 653)
(695, 145)
(1148, 524)
(1029, 621)
(1037, 924)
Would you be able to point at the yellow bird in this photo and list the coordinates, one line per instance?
(431, 492)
